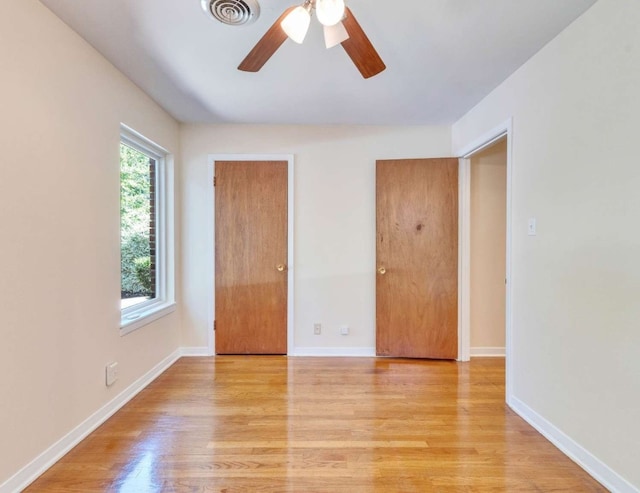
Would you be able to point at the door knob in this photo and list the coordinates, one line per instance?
(280, 267)
(382, 271)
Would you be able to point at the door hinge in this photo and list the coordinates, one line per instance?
(214, 325)
(214, 181)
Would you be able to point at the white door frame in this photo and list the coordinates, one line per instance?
(464, 249)
(211, 215)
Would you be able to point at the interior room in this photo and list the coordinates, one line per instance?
(538, 108)
(488, 255)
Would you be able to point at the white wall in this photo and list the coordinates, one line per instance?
(488, 249)
(576, 285)
(62, 105)
(334, 219)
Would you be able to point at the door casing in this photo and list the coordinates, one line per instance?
(464, 196)
(212, 158)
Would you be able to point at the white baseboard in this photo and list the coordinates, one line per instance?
(360, 352)
(488, 352)
(581, 456)
(195, 351)
(29, 473)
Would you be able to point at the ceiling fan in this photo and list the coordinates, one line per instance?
(340, 27)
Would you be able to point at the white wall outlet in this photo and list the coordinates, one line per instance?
(532, 227)
(317, 329)
(344, 330)
(111, 373)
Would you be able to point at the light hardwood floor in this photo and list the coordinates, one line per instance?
(277, 424)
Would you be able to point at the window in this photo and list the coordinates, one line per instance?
(146, 263)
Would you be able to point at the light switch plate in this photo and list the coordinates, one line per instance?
(111, 373)
(532, 227)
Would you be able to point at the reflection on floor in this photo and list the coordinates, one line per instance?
(277, 424)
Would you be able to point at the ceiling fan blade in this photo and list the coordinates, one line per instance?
(359, 48)
(266, 47)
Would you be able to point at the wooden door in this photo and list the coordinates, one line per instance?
(251, 257)
(417, 258)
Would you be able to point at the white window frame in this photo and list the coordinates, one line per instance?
(134, 317)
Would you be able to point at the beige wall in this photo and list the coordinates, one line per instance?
(334, 219)
(575, 285)
(62, 105)
(488, 247)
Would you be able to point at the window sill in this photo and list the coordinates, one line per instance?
(135, 320)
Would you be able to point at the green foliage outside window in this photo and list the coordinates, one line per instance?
(135, 220)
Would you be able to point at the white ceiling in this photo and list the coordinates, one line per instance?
(442, 57)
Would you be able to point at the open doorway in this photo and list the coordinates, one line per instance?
(501, 135)
(487, 242)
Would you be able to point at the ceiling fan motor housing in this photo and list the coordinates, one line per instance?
(232, 12)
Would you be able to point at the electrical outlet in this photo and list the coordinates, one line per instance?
(344, 330)
(111, 373)
(317, 329)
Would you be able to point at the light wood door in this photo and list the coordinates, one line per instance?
(251, 257)
(417, 258)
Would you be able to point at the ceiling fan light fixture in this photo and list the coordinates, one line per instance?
(296, 24)
(330, 12)
(334, 35)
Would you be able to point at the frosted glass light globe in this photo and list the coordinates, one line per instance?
(329, 12)
(296, 24)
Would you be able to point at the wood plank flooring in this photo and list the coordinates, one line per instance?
(277, 424)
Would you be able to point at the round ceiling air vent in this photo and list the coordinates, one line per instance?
(232, 12)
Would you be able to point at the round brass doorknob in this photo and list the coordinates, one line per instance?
(280, 268)
(382, 271)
